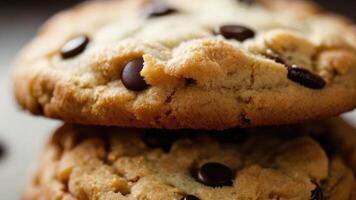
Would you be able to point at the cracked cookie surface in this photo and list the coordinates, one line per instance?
(211, 64)
(135, 164)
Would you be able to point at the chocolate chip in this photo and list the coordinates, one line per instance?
(159, 8)
(74, 46)
(190, 197)
(215, 175)
(236, 32)
(131, 77)
(190, 81)
(317, 193)
(305, 78)
(163, 139)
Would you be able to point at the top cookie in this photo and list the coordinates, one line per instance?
(208, 64)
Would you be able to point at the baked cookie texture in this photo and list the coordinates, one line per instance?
(195, 74)
(83, 162)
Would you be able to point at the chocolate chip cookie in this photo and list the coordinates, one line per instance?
(202, 64)
(83, 162)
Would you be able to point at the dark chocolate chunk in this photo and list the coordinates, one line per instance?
(214, 175)
(74, 46)
(159, 8)
(236, 32)
(305, 78)
(131, 77)
(190, 81)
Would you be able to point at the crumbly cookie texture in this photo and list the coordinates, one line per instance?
(207, 64)
(84, 163)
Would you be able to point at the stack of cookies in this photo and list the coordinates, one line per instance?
(193, 99)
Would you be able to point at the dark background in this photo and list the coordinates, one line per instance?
(346, 7)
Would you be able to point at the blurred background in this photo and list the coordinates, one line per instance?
(22, 135)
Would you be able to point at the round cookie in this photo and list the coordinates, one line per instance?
(116, 163)
(202, 64)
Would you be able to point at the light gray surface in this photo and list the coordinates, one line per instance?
(23, 134)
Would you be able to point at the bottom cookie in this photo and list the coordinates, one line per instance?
(287, 162)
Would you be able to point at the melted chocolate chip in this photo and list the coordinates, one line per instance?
(74, 46)
(159, 8)
(305, 78)
(317, 193)
(190, 197)
(131, 77)
(163, 139)
(214, 175)
(236, 32)
(190, 81)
